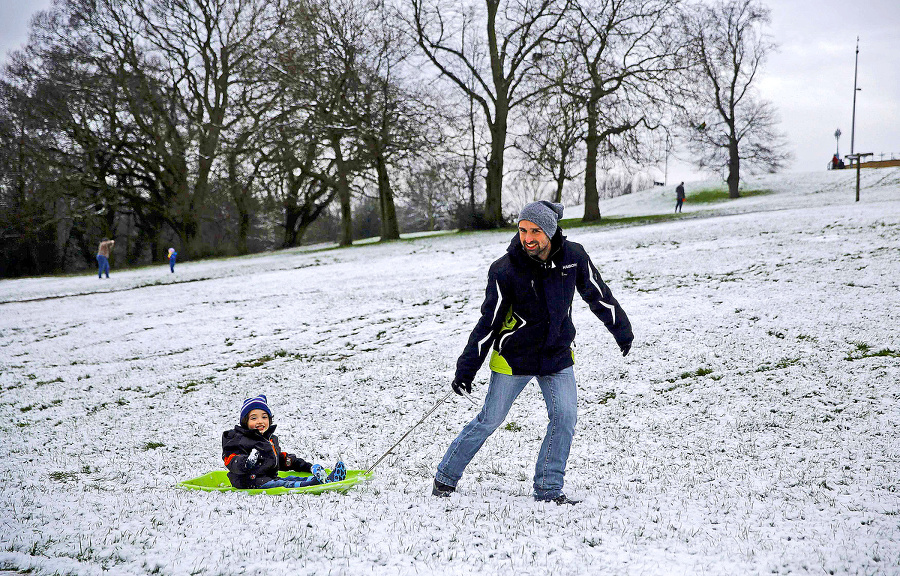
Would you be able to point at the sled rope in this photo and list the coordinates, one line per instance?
(427, 414)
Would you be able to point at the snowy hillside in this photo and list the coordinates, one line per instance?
(753, 428)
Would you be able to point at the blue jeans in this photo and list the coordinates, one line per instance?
(103, 262)
(561, 398)
(291, 482)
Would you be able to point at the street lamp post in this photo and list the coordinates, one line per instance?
(855, 90)
(858, 158)
(837, 142)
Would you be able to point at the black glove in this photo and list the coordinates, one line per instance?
(252, 460)
(458, 386)
(625, 348)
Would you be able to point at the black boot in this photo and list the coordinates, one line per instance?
(442, 490)
(560, 500)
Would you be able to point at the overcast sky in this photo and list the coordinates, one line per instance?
(809, 78)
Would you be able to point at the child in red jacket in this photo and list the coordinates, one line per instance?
(253, 456)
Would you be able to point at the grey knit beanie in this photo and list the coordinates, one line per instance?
(544, 214)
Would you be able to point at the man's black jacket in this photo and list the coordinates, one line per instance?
(526, 317)
(236, 446)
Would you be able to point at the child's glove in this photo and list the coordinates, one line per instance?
(252, 459)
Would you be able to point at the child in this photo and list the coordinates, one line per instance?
(253, 456)
(172, 255)
(103, 251)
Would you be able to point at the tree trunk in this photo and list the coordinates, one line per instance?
(241, 198)
(473, 169)
(343, 186)
(734, 168)
(291, 216)
(493, 203)
(591, 197)
(561, 175)
(390, 230)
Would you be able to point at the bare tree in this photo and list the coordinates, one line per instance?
(726, 121)
(316, 57)
(554, 129)
(625, 52)
(514, 32)
(392, 118)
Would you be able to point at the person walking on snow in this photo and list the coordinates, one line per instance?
(526, 324)
(172, 255)
(103, 251)
(679, 197)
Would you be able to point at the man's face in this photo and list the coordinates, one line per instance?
(534, 240)
(258, 420)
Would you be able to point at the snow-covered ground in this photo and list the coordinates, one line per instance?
(753, 429)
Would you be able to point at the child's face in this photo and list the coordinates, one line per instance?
(258, 420)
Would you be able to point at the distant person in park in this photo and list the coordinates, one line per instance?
(526, 324)
(253, 456)
(106, 246)
(679, 197)
(172, 255)
(835, 162)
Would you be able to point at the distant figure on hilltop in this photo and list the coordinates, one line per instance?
(172, 255)
(103, 251)
(679, 197)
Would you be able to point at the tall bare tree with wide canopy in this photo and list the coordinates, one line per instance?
(726, 121)
(514, 32)
(624, 54)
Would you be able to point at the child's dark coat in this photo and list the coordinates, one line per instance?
(236, 447)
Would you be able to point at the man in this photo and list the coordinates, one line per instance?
(679, 197)
(526, 323)
(106, 246)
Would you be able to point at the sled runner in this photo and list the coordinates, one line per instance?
(217, 481)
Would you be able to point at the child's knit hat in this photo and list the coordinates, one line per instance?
(256, 403)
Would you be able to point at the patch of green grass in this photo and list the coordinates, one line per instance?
(42, 382)
(862, 350)
(696, 373)
(256, 363)
(152, 446)
(192, 385)
(680, 380)
(711, 195)
(781, 364)
(63, 476)
(607, 397)
(567, 223)
(512, 427)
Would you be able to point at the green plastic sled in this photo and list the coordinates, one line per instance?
(217, 481)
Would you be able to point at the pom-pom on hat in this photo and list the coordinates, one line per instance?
(250, 404)
(544, 214)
